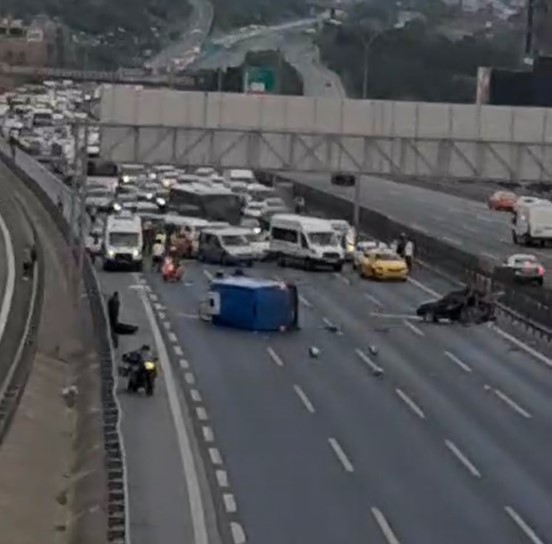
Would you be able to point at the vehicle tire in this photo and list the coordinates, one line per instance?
(249, 264)
(434, 317)
(540, 282)
(149, 387)
(281, 261)
(308, 265)
(105, 266)
(139, 267)
(338, 267)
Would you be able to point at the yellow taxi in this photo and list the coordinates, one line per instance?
(383, 264)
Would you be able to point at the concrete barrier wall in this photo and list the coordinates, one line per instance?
(122, 105)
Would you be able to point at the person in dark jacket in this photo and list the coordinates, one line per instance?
(113, 309)
(13, 145)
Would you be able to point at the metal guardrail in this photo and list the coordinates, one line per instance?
(529, 307)
(115, 458)
(11, 390)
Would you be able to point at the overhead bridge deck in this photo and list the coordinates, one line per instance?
(276, 133)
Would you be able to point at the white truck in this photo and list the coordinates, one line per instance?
(123, 242)
(532, 224)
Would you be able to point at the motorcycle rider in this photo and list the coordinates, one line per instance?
(137, 362)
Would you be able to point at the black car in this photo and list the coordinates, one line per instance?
(344, 180)
(464, 305)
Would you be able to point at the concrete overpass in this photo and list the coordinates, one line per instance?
(274, 133)
(120, 77)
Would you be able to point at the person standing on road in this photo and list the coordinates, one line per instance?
(405, 249)
(113, 309)
(13, 145)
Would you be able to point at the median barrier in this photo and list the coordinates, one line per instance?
(99, 478)
(531, 306)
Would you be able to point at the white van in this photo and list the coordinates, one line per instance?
(532, 224)
(309, 241)
(123, 242)
(346, 235)
(244, 176)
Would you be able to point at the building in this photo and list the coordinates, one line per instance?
(28, 45)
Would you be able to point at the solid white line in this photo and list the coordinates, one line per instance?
(413, 328)
(275, 357)
(222, 478)
(451, 240)
(511, 403)
(304, 399)
(368, 361)
(304, 301)
(172, 337)
(238, 534)
(410, 403)
(462, 458)
(184, 364)
(178, 351)
(456, 360)
(373, 299)
(184, 445)
(196, 397)
(189, 377)
(343, 278)
(10, 279)
(201, 414)
(208, 274)
(384, 526)
(214, 454)
(520, 522)
(489, 255)
(208, 434)
(229, 503)
(344, 460)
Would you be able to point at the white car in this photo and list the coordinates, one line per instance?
(364, 247)
(529, 201)
(254, 209)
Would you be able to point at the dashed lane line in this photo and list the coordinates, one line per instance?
(459, 362)
(413, 328)
(215, 456)
(366, 360)
(172, 337)
(372, 298)
(201, 414)
(238, 534)
(184, 364)
(511, 403)
(410, 403)
(222, 478)
(190, 378)
(305, 301)
(384, 526)
(178, 351)
(341, 455)
(457, 452)
(523, 525)
(230, 503)
(275, 357)
(304, 399)
(208, 434)
(196, 395)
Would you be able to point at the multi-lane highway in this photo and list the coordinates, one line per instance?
(449, 444)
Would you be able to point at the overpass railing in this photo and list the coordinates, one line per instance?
(50, 190)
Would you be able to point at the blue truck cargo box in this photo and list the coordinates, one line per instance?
(253, 304)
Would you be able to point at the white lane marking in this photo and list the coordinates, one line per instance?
(506, 335)
(178, 351)
(459, 362)
(208, 434)
(451, 240)
(373, 299)
(222, 478)
(304, 301)
(462, 458)
(184, 364)
(172, 337)
(343, 278)
(9, 288)
(485, 218)
(469, 229)
(229, 503)
(415, 226)
(238, 534)
(275, 357)
(343, 459)
(328, 323)
(189, 377)
(522, 524)
(522, 345)
(161, 315)
(208, 274)
(491, 256)
(368, 361)
(153, 297)
(184, 445)
(511, 403)
(214, 454)
(423, 287)
(304, 399)
(413, 328)
(201, 414)
(410, 403)
(196, 395)
(384, 526)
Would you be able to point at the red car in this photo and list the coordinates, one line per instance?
(503, 201)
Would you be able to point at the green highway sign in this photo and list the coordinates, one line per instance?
(259, 80)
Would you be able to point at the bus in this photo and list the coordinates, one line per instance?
(212, 203)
